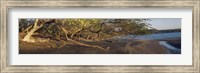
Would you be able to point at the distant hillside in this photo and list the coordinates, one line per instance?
(167, 30)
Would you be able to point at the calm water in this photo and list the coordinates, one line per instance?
(156, 36)
(159, 36)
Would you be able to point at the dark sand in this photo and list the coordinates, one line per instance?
(116, 47)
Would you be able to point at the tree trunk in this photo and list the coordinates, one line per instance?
(35, 27)
(27, 29)
(27, 38)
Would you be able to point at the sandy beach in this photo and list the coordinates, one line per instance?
(115, 47)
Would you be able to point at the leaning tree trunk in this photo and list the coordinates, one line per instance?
(27, 38)
(27, 29)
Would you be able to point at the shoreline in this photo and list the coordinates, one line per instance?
(172, 49)
(175, 42)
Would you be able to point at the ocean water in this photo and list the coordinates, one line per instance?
(156, 36)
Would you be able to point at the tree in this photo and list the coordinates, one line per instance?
(37, 25)
(90, 29)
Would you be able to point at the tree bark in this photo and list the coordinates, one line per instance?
(35, 27)
(27, 38)
(27, 29)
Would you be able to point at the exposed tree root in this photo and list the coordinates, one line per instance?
(58, 44)
(83, 44)
(62, 44)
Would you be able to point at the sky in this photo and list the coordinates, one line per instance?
(165, 23)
